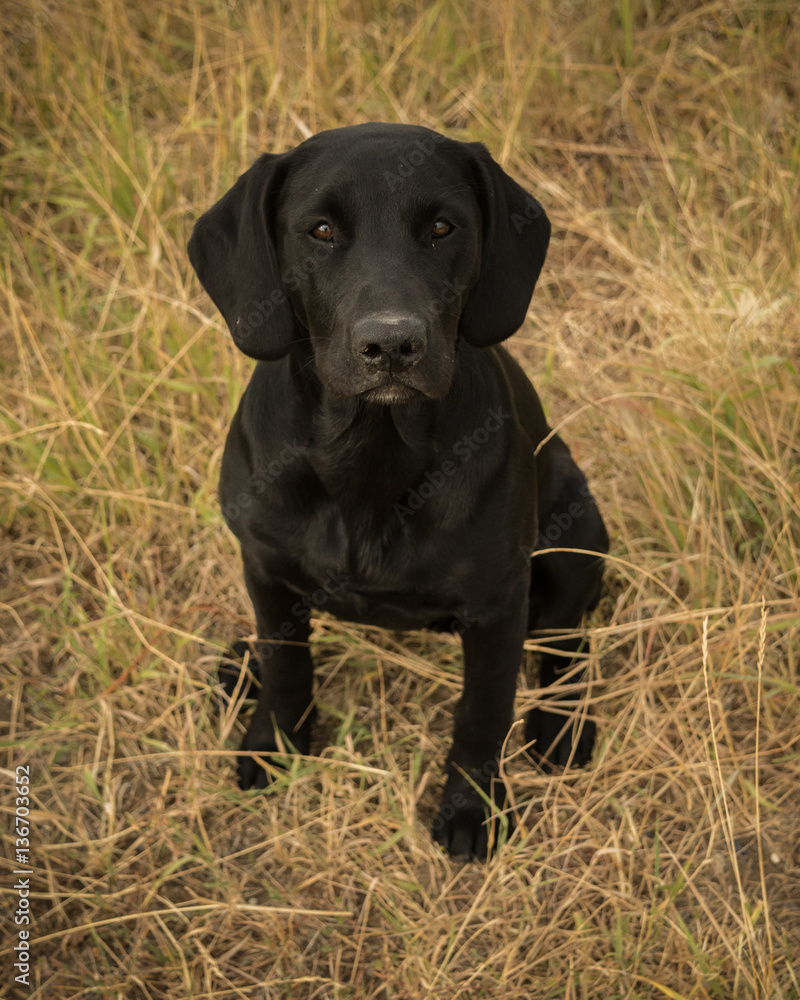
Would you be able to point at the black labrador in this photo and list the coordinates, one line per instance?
(388, 461)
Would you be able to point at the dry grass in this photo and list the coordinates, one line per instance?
(663, 140)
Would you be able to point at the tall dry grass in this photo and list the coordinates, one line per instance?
(664, 140)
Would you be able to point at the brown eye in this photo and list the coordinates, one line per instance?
(322, 231)
(440, 228)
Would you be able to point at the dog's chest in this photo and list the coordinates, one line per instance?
(372, 549)
(390, 524)
(401, 568)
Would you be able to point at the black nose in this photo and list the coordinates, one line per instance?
(389, 342)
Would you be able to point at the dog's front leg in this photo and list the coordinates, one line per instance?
(286, 673)
(483, 716)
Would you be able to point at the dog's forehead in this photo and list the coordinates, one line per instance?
(387, 163)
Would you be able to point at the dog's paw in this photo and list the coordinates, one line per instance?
(251, 770)
(260, 741)
(463, 831)
(558, 741)
(465, 825)
(230, 670)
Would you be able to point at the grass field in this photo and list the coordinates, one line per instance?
(664, 338)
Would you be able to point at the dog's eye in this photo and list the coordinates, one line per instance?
(322, 231)
(440, 228)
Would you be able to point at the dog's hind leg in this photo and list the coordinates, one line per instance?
(564, 586)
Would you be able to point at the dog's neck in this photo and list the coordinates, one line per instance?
(368, 455)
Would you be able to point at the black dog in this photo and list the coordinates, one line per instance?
(387, 461)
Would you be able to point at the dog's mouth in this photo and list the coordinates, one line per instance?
(389, 387)
(390, 393)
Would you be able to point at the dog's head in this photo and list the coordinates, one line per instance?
(381, 244)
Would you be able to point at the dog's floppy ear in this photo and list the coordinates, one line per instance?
(516, 232)
(234, 256)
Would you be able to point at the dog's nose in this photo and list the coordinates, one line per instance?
(389, 341)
